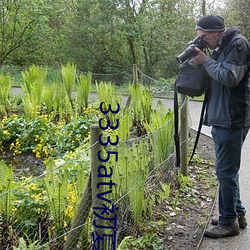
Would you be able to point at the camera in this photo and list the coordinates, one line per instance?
(190, 51)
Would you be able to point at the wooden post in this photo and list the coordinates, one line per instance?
(135, 82)
(79, 219)
(95, 132)
(90, 194)
(184, 135)
(135, 74)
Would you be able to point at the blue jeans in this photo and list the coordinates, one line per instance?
(228, 145)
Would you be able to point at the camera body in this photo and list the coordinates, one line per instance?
(190, 51)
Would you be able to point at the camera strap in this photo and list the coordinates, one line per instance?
(176, 126)
(199, 127)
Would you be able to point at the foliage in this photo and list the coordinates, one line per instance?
(83, 91)
(6, 184)
(22, 245)
(163, 123)
(43, 137)
(46, 205)
(5, 90)
(22, 23)
(34, 81)
(141, 106)
(107, 96)
(51, 201)
(147, 241)
(68, 74)
(106, 36)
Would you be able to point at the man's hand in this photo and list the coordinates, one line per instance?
(200, 58)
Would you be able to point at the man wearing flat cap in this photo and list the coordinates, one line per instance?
(228, 112)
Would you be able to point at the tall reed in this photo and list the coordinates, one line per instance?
(83, 91)
(161, 127)
(68, 74)
(33, 86)
(141, 104)
(56, 184)
(6, 184)
(5, 90)
(48, 98)
(106, 92)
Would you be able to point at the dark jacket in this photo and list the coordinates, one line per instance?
(229, 90)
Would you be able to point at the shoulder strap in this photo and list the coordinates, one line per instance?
(199, 127)
(176, 127)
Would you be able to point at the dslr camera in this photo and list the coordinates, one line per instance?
(190, 51)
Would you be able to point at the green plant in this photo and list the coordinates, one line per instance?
(34, 81)
(125, 123)
(29, 245)
(83, 91)
(5, 90)
(184, 181)
(147, 241)
(56, 187)
(141, 103)
(68, 74)
(161, 127)
(176, 199)
(48, 98)
(43, 137)
(6, 184)
(107, 95)
(165, 189)
(130, 174)
(30, 208)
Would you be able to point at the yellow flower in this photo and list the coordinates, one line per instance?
(31, 187)
(14, 209)
(38, 156)
(69, 211)
(73, 199)
(37, 196)
(6, 132)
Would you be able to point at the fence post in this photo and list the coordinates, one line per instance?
(79, 219)
(184, 135)
(135, 74)
(95, 132)
(135, 82)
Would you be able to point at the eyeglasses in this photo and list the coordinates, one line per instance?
(203, 36)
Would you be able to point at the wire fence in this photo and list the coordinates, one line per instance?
(92, 205)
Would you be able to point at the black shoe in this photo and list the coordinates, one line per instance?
(241, 219)
(221, 231)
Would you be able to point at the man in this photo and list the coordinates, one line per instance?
(228, 112)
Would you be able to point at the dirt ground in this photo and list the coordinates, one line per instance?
(187, 222)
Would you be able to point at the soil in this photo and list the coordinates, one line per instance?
(25, 164)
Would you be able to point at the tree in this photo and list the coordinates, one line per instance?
(237, 13)
(20, 22)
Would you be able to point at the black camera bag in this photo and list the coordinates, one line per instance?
(192, 79)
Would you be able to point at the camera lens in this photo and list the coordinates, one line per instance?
(187, 53)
